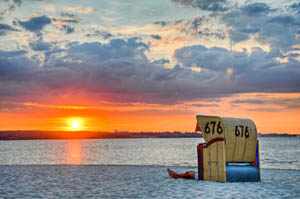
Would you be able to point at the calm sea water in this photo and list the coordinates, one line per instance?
(275, 153)
(135, 168)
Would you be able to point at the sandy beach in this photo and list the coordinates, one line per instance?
(100, 181)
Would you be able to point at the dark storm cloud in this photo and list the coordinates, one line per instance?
(156, 37)
(4, 28)
(255, 72)
(294, 54)
(208, 33)
(209, 5)
(116, 49)
(288, 103)
(285, 20)
(119, 71)
(256, 9)
(35, 24)
(39, 45)
(68, 29)
(14, 67)
(162, 61)
(116, 71)
(12, 53)
(268, 26)
(296, 7)
(197, 21)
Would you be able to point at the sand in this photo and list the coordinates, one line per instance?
(100, 181)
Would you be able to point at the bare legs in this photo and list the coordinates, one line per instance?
(186, 175)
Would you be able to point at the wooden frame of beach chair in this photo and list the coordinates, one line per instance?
(231, 151)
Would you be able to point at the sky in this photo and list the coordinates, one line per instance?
(141, 65)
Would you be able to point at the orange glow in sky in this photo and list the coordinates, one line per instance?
(75, 124)
(275, 115)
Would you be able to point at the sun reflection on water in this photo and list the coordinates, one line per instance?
(74, 152)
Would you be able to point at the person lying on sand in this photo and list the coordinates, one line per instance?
(186, 175)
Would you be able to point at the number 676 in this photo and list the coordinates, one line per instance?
(241, 130)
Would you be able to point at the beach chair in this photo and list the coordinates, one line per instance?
(231, 150)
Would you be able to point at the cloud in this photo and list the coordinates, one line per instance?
(68, 29)
(67, 14)
(265, 25)
(36, 23)
(296, 7)
(10, 6)
(256, 9)
(39, 45)
(263, 109)
(287, 103)
(116, 49)
(248, 101)
(209, 5)
(205, 105)
(63, 20)
(99, 33)
(15, 67)
(198, 26)
(119, 71)
(81, 11)
(162, 61)
(12, 53)
(284, 20)
(257, 71)
(5, 28)
(161, 23)
(156, 37)
(18, 2)
(168, 40)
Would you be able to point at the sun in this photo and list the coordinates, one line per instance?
(75, 124)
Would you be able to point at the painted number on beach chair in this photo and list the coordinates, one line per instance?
(210, 127)
(241, 130)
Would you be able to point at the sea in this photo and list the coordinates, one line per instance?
(136, 168)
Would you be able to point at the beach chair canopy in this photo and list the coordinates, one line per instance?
(240, 136)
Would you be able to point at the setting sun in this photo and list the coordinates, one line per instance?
(75, 124)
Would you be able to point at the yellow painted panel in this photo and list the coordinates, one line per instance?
(240, 142)
(211, 127)
(221, 162)
(250, 151)
(213, 161)
(205, 164)
(240, 136)
(231, 140)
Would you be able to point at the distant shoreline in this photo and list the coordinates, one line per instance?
(49, 135)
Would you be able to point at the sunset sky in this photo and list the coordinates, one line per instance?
(140, 65)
